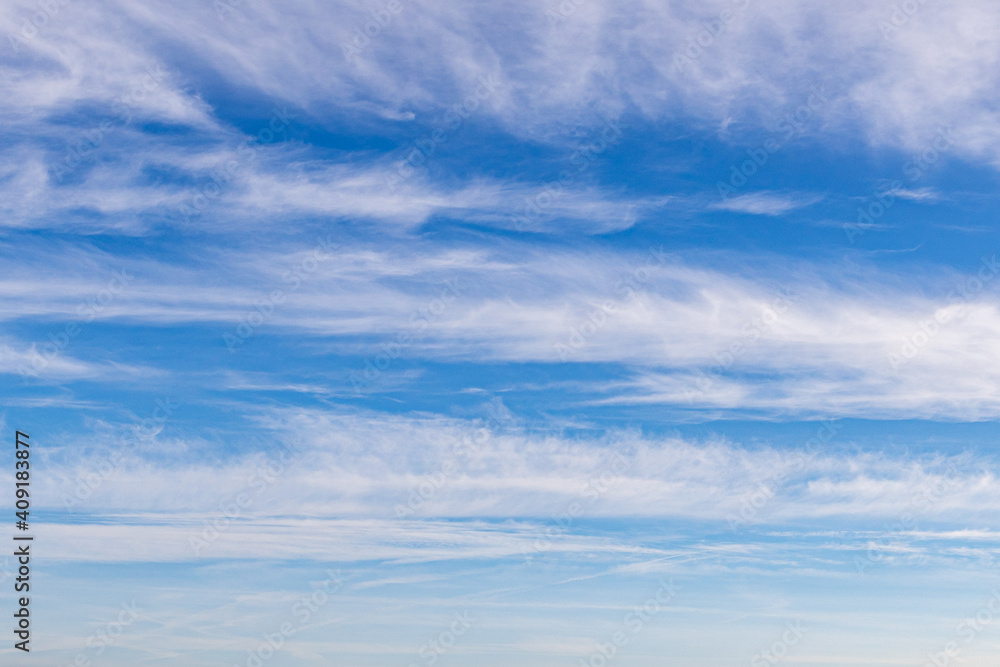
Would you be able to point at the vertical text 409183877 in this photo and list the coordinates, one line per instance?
(22, 542)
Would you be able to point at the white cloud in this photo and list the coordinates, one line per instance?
(557, 75)
(764, 203)
(820, 344)
(371, 466)
(919, 195)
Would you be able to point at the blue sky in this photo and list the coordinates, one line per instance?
(570, 333)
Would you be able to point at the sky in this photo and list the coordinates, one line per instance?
(400, 333)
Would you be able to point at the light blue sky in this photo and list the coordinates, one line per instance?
(523, 314)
